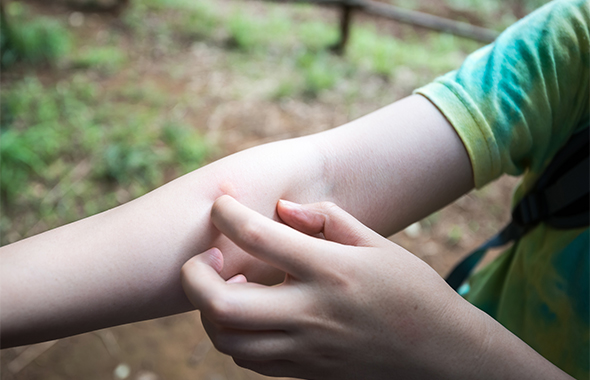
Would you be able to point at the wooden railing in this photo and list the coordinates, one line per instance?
(398, 14)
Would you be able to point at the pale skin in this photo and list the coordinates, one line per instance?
(123, 265)
(353, 305)
(387, 169)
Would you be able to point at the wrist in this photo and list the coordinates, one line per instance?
(484, 349)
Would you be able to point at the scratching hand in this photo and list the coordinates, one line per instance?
(353, 305)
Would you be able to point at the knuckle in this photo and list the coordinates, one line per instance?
(331, 210)
(329, 206)
(220, 311)
(341, 278)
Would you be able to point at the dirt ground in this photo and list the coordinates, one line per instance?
(177, 347)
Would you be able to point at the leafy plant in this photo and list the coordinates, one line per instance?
(286, 88)
(103, 58)
(320, 72)
(66, 149)
(188, 147)
(454, 235)
(316, 35)
(245, 33)
(31, 40)
(199, 20)
(124, 162)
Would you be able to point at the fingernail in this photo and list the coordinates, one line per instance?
(289, 204)
(237, 279)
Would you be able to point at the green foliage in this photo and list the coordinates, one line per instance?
(432, 55)
(31, 138)
(160, 22)
(104, 58)
(245, 33)
(187, 147)
(454, 235)
(135, 17)
(200, 22)
(372, 51)
(124, 161)
(320, 72)
(250, 33)
(171, 4)
(79, 143)
(302, 46)
(316, 35)
(186, 18)
(286, 88)
(31, 40)
(18, 158)
(49, 131)
(312, 73)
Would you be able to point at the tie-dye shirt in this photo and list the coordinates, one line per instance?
(514, 103)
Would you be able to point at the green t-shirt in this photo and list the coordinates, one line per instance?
(514, 103)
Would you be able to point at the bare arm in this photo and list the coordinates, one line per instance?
(388, 169)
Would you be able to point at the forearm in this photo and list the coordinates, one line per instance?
(123, 265)
(484, 349)
(388, 169)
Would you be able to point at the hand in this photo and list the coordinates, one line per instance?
(352, 306)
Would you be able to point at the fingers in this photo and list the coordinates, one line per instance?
(272, 242)
(200, 277)
(243, 305)
(325, 217)
(249, 345)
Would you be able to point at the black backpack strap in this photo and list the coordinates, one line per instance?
(462, 270)
(560, 198)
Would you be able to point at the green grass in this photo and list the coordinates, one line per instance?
(320, 71)
(31, 40)
(383, 55)
(48, 132)
(316, 35)
(251, 33)
(103, 58)
(160, 21)
(92, 132)
(297, 42)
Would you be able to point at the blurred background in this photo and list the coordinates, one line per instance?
(103, 101)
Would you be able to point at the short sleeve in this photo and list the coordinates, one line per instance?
(515, 102)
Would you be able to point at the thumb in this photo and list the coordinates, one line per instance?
(200, 276)
(328, 219)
